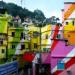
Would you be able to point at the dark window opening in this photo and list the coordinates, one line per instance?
(22, 47)
(69, 72)
(66, 42)
(58, 36)
(13, 46)
(3, 51)
(29, 46)
(73, 22)
(22, 36)
(59, 24)
(46, 49)
(66, 23)
(13, 34)
(35, 34)
(35, 45)
(46, 36)
(1, 42)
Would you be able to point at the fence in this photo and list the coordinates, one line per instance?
(9, 68)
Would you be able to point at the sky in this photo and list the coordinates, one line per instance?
(48, 7)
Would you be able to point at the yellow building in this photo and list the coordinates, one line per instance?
(69, 31)
(46, 38)
(34, 34)
(3, 35)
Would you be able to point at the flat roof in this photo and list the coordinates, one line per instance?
(69, 2)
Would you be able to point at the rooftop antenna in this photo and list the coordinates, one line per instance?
(21, 2)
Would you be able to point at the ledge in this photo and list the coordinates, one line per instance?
(69, 2)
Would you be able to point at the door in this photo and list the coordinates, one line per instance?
(42, 69)
(28, 69)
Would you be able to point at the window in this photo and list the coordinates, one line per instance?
(66, 42)
(66, 23)
(1, 42)
(13, 46)
(59, 24)
(60, 65)
(58, 36)
(3, 51)
(29, 46)
(46, 36)
(22, 46)
(35, 45)
(13, 34)
(73, 22)
(22, 35)
(46, 49)
(69, 72)
(35, 34)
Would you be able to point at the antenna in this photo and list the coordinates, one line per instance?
(21, 2)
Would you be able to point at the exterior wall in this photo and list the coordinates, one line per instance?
(46, 38)
(3, 34)
(46, 58)
(68, 66)
(34, 39)
(4, 23)
(68, 8)
(69, 32)
(2, 54)
(62, 52)
(17, 41)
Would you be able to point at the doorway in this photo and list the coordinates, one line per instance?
(28, 69)
(42, 69)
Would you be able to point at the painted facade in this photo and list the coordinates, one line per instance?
(63, 51)
(13, 42)
(46, 38)
(56, 42)
(3, 35)
(34, 34)
(62, 54)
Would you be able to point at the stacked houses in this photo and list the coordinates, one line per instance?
(48, 50)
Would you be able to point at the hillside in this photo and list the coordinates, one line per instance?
(14, 10)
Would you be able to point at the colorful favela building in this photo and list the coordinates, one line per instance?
(63, 48)
(13, 42)
(3, 34)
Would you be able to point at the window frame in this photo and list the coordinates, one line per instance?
(13, 34)
(22, 46)
(60, 62)
(35, 45)
(3, 51)
(67, 23)
(58, 36)
(13, 47)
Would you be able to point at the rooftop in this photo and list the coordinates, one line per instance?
(69, 2)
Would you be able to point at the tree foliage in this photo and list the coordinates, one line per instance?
(15, 10)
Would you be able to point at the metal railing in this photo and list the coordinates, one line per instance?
(9, 68)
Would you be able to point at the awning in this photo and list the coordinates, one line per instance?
(28, 56)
